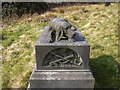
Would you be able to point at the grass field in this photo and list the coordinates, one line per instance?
(98, 23)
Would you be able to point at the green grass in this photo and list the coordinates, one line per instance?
(98, 23)
(75, 17)
(104, 70)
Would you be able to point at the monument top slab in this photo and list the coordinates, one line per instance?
(80, 40)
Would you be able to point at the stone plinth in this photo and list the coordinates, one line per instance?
(61, 79)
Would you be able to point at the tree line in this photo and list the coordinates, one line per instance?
(20, 8)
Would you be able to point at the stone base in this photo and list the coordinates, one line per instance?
(61, 79)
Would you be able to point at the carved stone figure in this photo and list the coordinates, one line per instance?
(62, 57)
(59, 62)
(60, 29)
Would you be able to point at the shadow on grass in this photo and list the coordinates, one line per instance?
(105, 71)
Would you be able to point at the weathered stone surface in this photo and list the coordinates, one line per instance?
(62, 64)
(81, 47)
(61, 79)
(60, 27)
(79, 39)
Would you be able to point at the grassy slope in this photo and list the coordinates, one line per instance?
(97, 22)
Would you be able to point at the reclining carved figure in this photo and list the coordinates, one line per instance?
(59, 28)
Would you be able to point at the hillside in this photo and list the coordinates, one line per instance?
(99, 24)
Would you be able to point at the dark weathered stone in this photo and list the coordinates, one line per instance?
(59, 28)
(62, 64)
(62, 57)
(61, 79)
(80, 46)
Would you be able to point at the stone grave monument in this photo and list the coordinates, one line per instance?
(62, 58)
